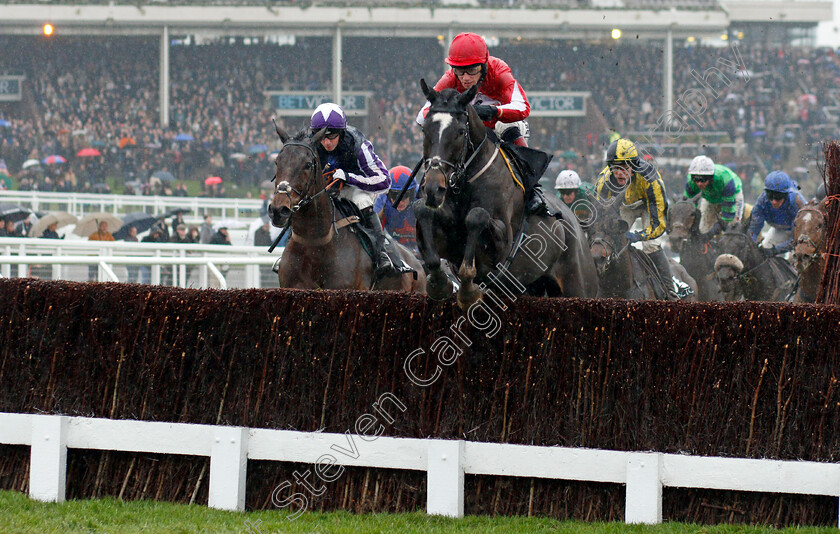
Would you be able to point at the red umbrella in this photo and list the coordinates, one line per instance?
(213, 180)
(88, 152)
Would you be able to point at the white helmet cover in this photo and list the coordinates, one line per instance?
(702, 165)
(567, 179)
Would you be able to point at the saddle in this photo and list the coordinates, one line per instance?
(346, 210)
(529, 164)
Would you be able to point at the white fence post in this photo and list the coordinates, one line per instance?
(644, 488)
(48, 458)
(228, 468)
(445, 478)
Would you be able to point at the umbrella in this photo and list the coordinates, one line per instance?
(90, 223)
(807, 99)
(4, 123)
(63, 131)
(54, 159)
(126, 141)
(13, 212)
(184, 137)
(273, 155)
(759, 133)
(61, 218)
(213, 180)
(163, 176)
(238, 155)
(88, 152)
(139, 219)
(30, 163)
(257, 149)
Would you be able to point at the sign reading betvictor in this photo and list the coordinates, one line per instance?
(565, 104)
(11, 87)
(303, 102)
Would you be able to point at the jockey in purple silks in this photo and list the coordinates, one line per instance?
(346, 152)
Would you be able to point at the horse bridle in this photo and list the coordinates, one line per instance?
(455, 179)
(286, 188)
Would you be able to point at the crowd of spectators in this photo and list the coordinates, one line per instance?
(88, 92)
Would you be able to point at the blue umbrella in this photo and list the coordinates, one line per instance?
(184, 137)
(4, 123)
(257, 149)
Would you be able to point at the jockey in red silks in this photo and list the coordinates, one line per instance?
(500, 103)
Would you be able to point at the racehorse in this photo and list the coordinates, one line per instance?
(625, 271)
(322, 253)
(808, 237)
(471, 209)
(697, 254)
(743, 272)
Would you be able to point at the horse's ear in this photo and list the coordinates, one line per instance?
(280, 132)
(696, 198)
(467, 96)
(430, 93)
(318, 136)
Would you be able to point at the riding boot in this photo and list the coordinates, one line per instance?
(535, 203)
(384, 267)
(663, 266)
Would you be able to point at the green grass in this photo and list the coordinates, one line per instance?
(18, 514)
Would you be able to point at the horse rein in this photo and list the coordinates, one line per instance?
(285, 188)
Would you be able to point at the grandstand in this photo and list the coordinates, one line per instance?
(151, 71)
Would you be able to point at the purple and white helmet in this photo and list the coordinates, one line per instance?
(330, 116)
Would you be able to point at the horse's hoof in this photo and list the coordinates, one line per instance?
(468, 295)
(438, 286)
(467, 273)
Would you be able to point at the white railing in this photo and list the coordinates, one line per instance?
(445, 461)
(80, 204)
(193, 265)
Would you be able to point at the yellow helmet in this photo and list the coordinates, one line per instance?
(622, 150)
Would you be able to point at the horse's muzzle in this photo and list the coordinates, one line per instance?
(435, 195)
(279, 216)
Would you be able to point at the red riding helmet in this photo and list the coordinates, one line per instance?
(467, 49)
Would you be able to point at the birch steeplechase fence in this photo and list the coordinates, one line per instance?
(586, 409)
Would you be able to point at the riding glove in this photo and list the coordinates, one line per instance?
(633, 237)
(716, 229)
(339, 174)
(486, 113)
(768, 252)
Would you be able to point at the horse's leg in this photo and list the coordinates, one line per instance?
(438, 285)
(477, 220)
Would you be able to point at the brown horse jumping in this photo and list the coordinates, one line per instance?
(322, 253)
(472, 207)
(808, 236)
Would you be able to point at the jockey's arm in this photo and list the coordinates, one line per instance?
(655, 197)
(374, 177)
(727, 205)
(515, 106)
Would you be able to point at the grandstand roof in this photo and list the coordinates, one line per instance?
(573, 19)
(386, 21)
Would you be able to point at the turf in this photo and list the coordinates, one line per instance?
(19, 514)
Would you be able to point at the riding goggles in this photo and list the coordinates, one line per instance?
(472, 71)
(701, 178)
(775, 195)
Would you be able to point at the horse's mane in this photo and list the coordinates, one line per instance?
(301, 135)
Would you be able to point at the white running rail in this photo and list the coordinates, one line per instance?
(80, 204)
(193, 265)
(445, 461)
